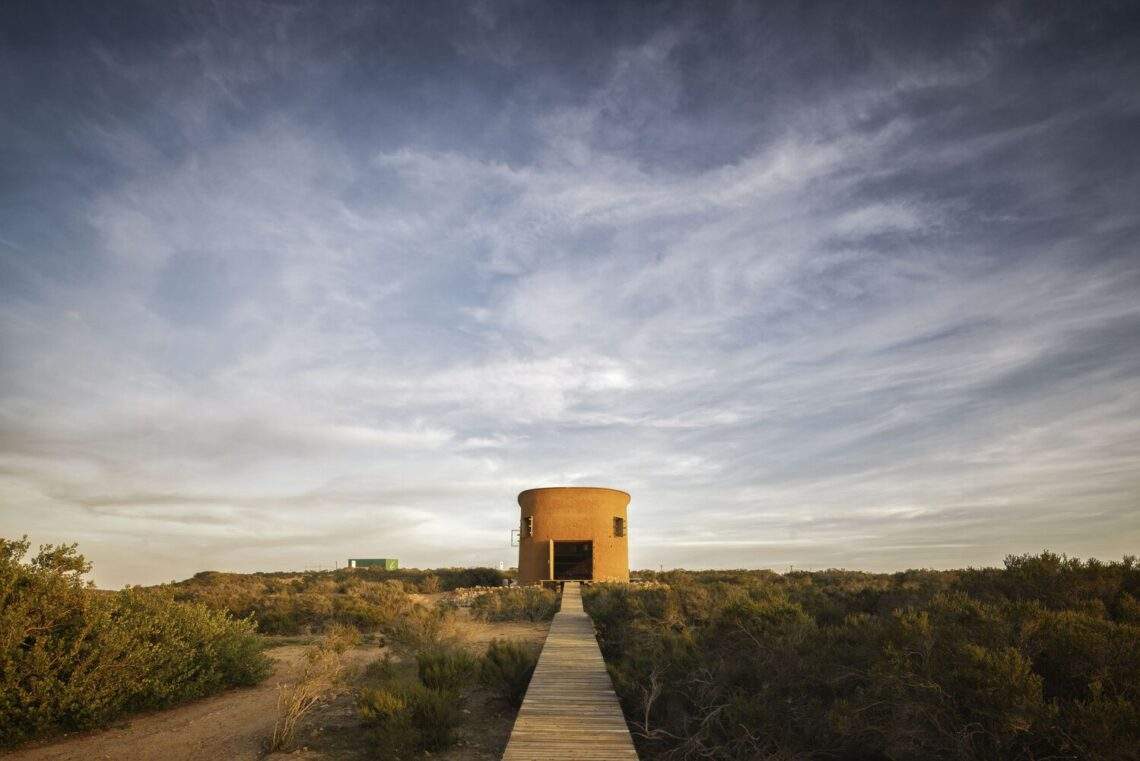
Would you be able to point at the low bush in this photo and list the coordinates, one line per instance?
(388, 712)
(410, 717)
(420, 627)
(72, 657)
(506, 670)
(515, 604)
(435, 714)
(341, 637)
(446, 668)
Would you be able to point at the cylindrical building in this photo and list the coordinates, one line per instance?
(573, 533)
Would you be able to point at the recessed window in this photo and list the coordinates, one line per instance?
(619, 526)
(528, 525)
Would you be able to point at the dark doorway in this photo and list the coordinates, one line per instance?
(573, 561)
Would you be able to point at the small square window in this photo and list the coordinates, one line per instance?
(619, 526)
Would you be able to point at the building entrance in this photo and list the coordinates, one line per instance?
(573, 561)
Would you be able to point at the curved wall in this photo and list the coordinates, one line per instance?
(573, 513)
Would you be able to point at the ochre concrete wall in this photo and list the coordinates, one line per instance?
(573, 513)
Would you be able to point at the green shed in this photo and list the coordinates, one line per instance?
(388, 564)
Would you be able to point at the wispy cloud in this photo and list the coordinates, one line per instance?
(350, 286)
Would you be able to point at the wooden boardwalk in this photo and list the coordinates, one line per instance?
(570, 710)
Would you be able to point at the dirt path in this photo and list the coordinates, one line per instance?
(232, 725)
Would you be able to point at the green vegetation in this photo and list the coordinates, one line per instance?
(421, 711)
(299, 603)
(446, 668)
(409, 717)
(506, 670)
(74, 658)
(515, 604)
(1038, 660)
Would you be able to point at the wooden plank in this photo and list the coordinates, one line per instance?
(570, 710)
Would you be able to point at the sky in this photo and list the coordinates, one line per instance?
(820, 285)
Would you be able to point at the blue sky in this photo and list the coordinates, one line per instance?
(819, 284)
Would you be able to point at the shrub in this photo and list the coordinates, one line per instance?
(409, 718)
(419, 627)
(446, 668)
(75, 658)
(435, 715)
(515, 604)
(506, 670)
(241, 658)
(341, 637)
(381, 704)
(388, 711)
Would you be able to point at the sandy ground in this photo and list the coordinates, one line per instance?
(236, 724)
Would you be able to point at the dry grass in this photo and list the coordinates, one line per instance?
(324, 669)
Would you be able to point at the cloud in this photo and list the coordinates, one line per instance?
(350, 286)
